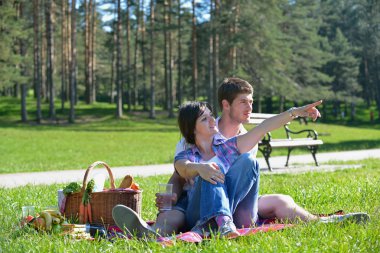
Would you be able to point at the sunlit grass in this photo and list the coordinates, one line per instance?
(133, 140)
(320, 192)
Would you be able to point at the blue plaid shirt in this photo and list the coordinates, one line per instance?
(225, 150)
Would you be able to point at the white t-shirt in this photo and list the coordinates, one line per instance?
(183, 145)
(216, 160)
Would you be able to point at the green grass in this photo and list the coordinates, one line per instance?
(350, 190)
(133, 140)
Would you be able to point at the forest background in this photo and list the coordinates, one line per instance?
(152, 55)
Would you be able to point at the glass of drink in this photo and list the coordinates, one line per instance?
(27, 210)
(165, 192)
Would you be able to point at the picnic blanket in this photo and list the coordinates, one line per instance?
(262, 225)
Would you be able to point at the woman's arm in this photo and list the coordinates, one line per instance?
(247, 141)
(178, 183)
(208, 171)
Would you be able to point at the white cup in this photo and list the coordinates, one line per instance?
(27, 210)
(166, 191)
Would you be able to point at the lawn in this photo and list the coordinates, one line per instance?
(133, 140)
(351, 190)
(137, 140)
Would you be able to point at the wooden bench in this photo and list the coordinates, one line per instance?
(309, 139)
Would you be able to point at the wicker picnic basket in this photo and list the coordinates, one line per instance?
(103, 202)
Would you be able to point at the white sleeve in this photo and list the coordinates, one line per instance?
(181, 146)
(254, 151)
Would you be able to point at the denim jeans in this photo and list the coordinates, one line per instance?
(236, 198)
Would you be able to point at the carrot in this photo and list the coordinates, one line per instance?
(85, 214)
(89, 212)
(81, 212)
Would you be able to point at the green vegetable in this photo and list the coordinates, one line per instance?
(72, 187)
(90, 186)
(88, 191)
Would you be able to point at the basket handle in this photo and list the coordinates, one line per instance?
(89, 169)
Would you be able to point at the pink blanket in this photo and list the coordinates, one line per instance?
(194, 237)
(263, 225)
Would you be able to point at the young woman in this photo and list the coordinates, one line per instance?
(209, 201)
(212, 200)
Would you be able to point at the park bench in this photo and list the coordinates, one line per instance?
(308, 138)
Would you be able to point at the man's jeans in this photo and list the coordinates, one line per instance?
(236, 198)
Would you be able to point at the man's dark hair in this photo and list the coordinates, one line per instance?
(187, 116)
(231, 87)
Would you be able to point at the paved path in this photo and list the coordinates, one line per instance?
(298, 164)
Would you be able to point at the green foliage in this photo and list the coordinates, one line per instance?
(296, 50)
(11, 32)
(72, 188)
(321, 192)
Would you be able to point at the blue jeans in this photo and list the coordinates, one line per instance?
(236, 198)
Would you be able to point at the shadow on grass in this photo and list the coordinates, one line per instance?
(350, 145)
(99, 127)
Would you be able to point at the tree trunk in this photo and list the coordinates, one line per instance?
(170, 58)
(282, 104)
(216, 55)
(24, 113)
(44, 88)
(258, 97)
(93, 54)
(113, 62)
(210, 90)
(73, 64)
(366, 88)
(152, 113)
(179, 78)
(377, 85)
(88, 41)
(352, 111)
(166, 78)
(68, 48)
(145, 108)
(36, 60)
(49, 12)
(86, 51)
(63, 54)
(135, 91)
(269, 104)
(233, 50)
(90, 54)
(324, 112)
(24, 88)
(128, 72)
(194, 53)
(119, 89)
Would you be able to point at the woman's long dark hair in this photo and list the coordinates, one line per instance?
(188, 114)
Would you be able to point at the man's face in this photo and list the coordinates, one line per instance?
(241, 108)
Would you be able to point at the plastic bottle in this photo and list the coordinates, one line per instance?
(96, 231)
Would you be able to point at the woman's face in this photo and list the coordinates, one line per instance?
(205, 125)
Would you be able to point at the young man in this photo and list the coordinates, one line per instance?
(235, 100)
